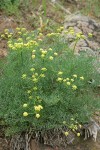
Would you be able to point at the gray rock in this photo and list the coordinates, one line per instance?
(85, 25)
(91, 130)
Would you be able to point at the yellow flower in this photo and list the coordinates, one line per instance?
(64, 80)
(20, 40)
(82, 78)
(24, 76)
(33, 51)
(25, 114)
(58, 30)
(90, 35)
(41, 107)
(35, 80)
(33, 56)
(72, 32)
(66, 133)
(72, 80)
(74, 87)
(61, 28)
(10, 45)
(36, 74)
(60, 73)
(80, 125)
(66, 32)
(19, 33)
(35, 88)
(44, 52)
(50, 49)
(17, 28)
(43, 69)
(78, 35)
(33, 76)
(55, 54)
(40, 34)
(29, 91)
(75, 127)
(41, 49)
(28, 38)
(37, 116)
(51, 58)
(13, 48)
(42, 56)
(32, 69)
(64, 122)
(30, 97)
(68, 83)
(75, 76)
(23, 29)
(72, 119)
(6, 30)
(25, 105)
(83, 36)
(78, 134)
(42, 75)
(37, 108)
(59, 79)
(9, 42)
(9, 36)
(70, 28)
(49, 34)
(67, 78)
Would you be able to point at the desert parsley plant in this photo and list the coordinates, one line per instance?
(44, 85)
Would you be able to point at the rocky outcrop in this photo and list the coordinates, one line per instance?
(85, 25)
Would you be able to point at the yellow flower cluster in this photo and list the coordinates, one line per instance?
(53, 34)
(19, 45)
(7, 34)
(66, 133)
(24, 76)
(60, 29)
(37, 116)
(68, 81)
(74, 87)
(38, 108)
(43, 69)
(25, 105)
(25, 114)
(73, 127)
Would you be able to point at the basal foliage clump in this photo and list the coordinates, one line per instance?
(43, 84)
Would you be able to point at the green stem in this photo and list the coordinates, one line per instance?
(75, 45)
(22, 58)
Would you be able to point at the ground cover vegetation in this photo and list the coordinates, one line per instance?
(44, 85)
(13, 7)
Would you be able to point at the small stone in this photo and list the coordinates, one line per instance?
(77, 30)
(91, 27)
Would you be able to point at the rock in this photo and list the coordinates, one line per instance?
(85, 25)
(91, 129)
(76, 29)
(93, 45)
(71, 24)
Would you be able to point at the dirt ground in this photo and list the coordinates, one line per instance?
(81, 145)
